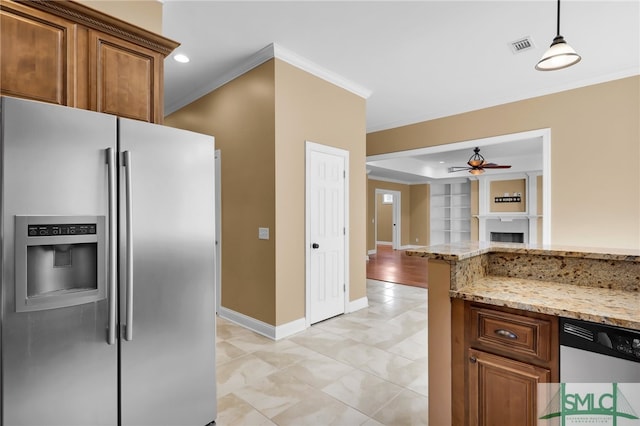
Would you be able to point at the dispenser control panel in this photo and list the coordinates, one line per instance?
(62, 229)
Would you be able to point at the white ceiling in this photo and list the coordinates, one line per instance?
(413, 60)
(429, 164)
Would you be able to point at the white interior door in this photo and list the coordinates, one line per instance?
(396, 217)
(326, 231)
(397, 226)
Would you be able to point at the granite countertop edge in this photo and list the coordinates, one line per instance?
(599, 305)
(466, 250)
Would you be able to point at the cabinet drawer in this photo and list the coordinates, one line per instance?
(518, 336)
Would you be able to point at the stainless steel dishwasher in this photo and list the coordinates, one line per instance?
(598, 353)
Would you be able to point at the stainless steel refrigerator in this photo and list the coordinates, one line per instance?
(107, 302)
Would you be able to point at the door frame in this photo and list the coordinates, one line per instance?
(396, 209)
(218, 228)
(543, 133)
(316, 147)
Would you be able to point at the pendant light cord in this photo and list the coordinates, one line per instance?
(558, 32)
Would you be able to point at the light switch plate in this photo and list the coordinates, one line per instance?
(263, 233)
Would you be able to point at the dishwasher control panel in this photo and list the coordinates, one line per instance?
(605, 339)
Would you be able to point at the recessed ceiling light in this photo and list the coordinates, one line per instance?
(183, 59)
(442, 162)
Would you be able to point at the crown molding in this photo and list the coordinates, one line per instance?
(263, 55)
(304, 64)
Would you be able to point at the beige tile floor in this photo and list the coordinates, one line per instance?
(364, 368)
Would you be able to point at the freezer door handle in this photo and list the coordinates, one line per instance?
(128, 332)
(112, 277)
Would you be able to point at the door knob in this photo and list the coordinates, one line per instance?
(315, 245)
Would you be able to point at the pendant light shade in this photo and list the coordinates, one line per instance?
(559, 55)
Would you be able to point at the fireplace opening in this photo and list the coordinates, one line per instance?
(507, 237)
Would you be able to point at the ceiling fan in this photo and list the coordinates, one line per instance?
(477, 164)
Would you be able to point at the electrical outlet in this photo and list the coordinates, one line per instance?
(263, 233)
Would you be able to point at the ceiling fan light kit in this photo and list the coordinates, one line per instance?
(559, 55)
(477, 164)
(476, 159)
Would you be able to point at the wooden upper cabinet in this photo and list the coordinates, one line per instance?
(70, 54)
(37, 55)
(124, 78)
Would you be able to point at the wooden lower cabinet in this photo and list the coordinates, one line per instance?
(502, 391)
(499, 355)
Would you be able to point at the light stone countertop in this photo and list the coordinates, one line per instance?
(601, 305)
(468, 249)
(592, 284)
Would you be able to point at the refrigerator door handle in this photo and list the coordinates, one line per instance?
(128, 334)
(112, 277)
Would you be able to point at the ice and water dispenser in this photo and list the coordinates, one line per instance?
(60, 261)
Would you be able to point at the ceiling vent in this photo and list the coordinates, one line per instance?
(522, 44)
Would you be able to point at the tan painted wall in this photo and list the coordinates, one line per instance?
(143, 13)
(384, 223)
(309, 108)
(498, 188)
(420, 218)
(241, 116)
(405, 210)
(595, 141)
(261, 121)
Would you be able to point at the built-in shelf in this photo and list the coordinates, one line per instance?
(450, 212)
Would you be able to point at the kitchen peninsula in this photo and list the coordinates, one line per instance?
(476, 288)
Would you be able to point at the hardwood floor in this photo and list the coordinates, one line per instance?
(396, 267)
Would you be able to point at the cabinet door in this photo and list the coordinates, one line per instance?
(37, 53)
(502, 391)
(125, 79)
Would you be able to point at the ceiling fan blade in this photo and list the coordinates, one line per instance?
(495, 166)
(458, 169)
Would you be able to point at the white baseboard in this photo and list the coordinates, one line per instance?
(291, 328)
(370, 252)
(267, 330)
(384, 243)
(358, 304)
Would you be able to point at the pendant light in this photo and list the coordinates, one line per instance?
(559, 55)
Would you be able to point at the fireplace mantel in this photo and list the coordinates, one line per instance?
(525, 222)
(507, 217)
(513, 222)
